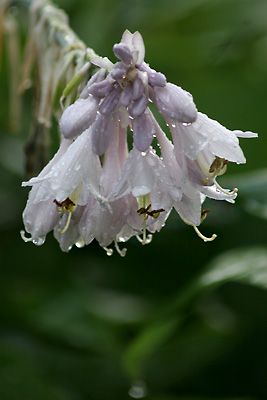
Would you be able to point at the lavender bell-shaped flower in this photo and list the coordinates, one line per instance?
(96, 187)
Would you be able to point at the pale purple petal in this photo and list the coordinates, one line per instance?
(245, 135)
(126, 96)
(78, 117)
(127, 38)
(102, 62)
(102, 132)
(139, 47)
(123, 53)
(39, 218)
(175, 103)
(110, 102)
(143, 131)
(213, 193)
(72, 235)
(119, 71)
(138, 88)
(138, 106)
(101, 89)
(192, 139)
(222, 142)
(97, 77)
(154, 78)
(189, 207)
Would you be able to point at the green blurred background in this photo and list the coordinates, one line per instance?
(178, 319)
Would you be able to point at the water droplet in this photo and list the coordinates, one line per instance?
(138, 390)
(77, 167)
(186, 123)
(39, 241)
(80, 243)
(174, 125)
(143, 153)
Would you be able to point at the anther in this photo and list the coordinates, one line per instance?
(108, 251)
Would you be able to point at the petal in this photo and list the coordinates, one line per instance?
(189, 208)
(110, 102)
(222, 142)
(140, 175)
(126, 96)
(119, 71)
(72, 235)
(143, 131)
(78, 117)
(77, 171)
(246, 135)
(213, 193)
(39, 218)
(64, 145)
(102, 132)
(127, 38)
(139, 47)
(97, 77)
(175, 103)
(138, 106)
(102, 62)
(192, 139)
(123, 53)
(138, 88)
(101, 89)
(154, 78)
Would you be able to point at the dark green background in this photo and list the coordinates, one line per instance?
(84, 326)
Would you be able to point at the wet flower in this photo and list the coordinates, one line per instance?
(98, 187)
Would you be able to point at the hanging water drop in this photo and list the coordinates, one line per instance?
(39, 241)
(138, 390)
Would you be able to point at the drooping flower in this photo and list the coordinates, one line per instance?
(98, 187)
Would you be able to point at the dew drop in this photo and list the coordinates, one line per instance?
(143, 153)
(39, 241)
(138, 390)
(186, 123)
(80, 243)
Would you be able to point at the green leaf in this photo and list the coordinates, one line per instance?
(243, 265)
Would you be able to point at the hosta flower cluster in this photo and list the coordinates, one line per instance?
(98, 186)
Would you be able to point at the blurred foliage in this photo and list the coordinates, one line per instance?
(176, 320)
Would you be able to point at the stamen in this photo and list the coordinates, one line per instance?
(108, 251)
(24, 237)
(225, 191)
(37, 241)
(67, 224)
(146, 239)
(204, 238)
(121, 252)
